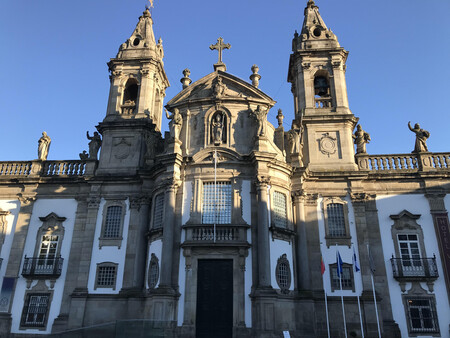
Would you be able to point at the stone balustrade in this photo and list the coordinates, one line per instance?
(323, 102)
(224, 233)
(39, 168)
(404, 162)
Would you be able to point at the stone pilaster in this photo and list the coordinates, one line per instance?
(136, 244)
(263, 234)
(303, 280)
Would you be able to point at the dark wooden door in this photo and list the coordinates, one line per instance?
(215, 298)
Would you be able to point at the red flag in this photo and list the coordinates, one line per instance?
(322, 265)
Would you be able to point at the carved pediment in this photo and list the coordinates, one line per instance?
(220, 86)
(223, 155)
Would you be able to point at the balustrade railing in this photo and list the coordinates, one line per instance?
(223, 233)
(420, 268)
(323, 102)
(42, 267)
(64, 168)
(19, 168)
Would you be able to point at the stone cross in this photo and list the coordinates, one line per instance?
(220, 46)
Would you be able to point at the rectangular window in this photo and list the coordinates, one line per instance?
(279, 209)
(336, 220)
(106, 276)
(216, 207)
(158, 212)
(113, 222)
(35, 310)
(409, 250)
(347, 278)
(422, 315)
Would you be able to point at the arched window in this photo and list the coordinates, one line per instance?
(130, 95)
(322, 90)
(153, 272)
(112, 226)
(337, 230)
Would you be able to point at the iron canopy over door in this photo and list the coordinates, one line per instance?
(214, 298)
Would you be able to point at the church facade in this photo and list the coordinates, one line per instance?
(227, 226)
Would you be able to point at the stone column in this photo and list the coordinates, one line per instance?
(136, 244)
(303, 281)
(263, 234)
(168, 236)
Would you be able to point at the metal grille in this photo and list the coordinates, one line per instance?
(347, 282)
(106, 276)
(112, 222)
(422, 315)
(153, 274)
(35, 310)
(216, 208)
(279, 210)
(283, 275)
(158, 212)
(336, 220)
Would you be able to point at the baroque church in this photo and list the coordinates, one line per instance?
(227, 226)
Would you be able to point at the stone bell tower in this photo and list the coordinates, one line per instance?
(134, 113)
(317, 74)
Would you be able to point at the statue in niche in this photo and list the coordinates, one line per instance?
(43, 146)
(361, 138)
(421, 138)
(175, 123)
(84, 155)
(94, 145)
(217, 125)
(260, 115)
(219, 88)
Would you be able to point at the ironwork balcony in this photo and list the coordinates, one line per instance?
(203, 234)
(414, 269)
(35, 267)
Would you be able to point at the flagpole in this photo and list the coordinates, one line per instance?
(339, 271)
(322, 268)
(357, 294)
(372, 269)
(215, 193)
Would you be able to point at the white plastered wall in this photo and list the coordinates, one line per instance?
(111, 254)
(247, 216)
(42, 207)
(416, 204)
(13, 206)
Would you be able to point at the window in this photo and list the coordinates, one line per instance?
(106, 276)
(422, 316)
(158, 212)
(279, 209)
(336, 222)
(347, 277)
(153, 272)
(112, 226)
(35, 310)
(409, 250)
(283, 274)
(216, 206)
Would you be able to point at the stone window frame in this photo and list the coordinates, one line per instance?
(3, 226)
(207, 126)
(197, 199)
(331, 240)
(325, 74)
(226, 201)
(108, 241)
(283, 261)
(416, 292)
(52, 225)
(106, 264)
(346, 266)
(272, 209)
(152, 221)
(154, 262)
(27, 296)
(123, 86)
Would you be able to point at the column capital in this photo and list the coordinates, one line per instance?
(136, 202)
(361, 197)
(262, 181)
(436, 201)
(93, 202)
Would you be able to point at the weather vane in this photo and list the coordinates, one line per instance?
(151, 4)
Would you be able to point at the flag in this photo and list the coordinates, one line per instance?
(339, 264)
(355, 261)
(151, 3)
(322, 265)
(371, 263)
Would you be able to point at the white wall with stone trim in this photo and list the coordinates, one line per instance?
(416, 204)
(111, 254)
(346, 252)
(41, 208)
(277, 249)
(13, 206)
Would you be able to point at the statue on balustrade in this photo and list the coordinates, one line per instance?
(94, 145)
(260, 115)
(361, 139)
(421, 138)
(84, 155)
(175, 123)
(43, 146)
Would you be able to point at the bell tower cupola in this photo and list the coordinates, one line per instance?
(317, 75)
(138, 79)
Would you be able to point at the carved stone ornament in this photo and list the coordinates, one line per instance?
(262, 180)
(327, 144)
(122, 148)
(25, 200)
(362, 197)
(93, 202)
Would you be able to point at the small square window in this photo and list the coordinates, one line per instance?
(422, 316)
(347, 277)
(35, 310)
(106, 276)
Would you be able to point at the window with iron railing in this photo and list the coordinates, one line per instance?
(422, 316)
(35, 310)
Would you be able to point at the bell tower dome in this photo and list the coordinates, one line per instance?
(317, 75)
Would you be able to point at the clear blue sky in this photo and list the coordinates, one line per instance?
(54, 75)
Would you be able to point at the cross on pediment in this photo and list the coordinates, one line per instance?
(220, 46)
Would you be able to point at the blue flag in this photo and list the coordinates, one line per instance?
(339, 264)
(355, 261)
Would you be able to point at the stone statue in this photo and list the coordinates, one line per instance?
(175, 123)
(43, 146)
(94, 145)
(421, 138)
(361, 139)
(261, 117)
(280, 117)
(294, 141)
(84, 155)
(217, 129)
(219, 88)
